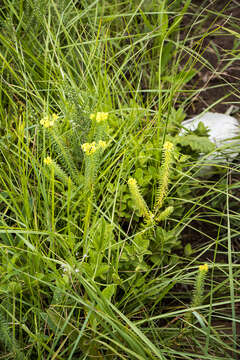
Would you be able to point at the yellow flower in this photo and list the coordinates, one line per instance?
(99, 116)
(203, 268)
(48, 124)
(54, 117)
(48, 121)
(132, 181)
(48, 161)
(89, 148)
(168, 146)
(42, 122)
(102, 144)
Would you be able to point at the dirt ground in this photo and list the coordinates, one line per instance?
(219, 80)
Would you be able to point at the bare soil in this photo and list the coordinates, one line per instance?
(218, 81)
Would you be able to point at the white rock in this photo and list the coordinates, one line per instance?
(222, 128)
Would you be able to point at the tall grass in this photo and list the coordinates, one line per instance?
(82, 275)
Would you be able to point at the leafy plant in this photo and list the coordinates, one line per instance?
(90, 269)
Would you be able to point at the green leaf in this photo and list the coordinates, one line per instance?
(188, 249)
(197, 143)
(108, 292)
(141, 243)
(103, 236)
(101, 270)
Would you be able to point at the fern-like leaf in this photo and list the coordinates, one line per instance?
(64, 155)
(201, 144)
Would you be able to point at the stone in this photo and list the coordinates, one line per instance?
(222, 129)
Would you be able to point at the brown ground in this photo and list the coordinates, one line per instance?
(220, 77)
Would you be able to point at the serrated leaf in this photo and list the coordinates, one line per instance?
(141, 243)
(197, 143)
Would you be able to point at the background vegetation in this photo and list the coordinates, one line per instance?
(112, 246)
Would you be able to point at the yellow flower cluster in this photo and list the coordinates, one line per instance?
(91, 148)
(168, 146)
(48, 121)
(132, 182)
(48, 161)
(203, 268)
(99, 116)
(102, 144)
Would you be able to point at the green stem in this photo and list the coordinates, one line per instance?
(87, 221)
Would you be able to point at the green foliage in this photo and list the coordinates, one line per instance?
(64, 156)
(7, 338)
(90, 269)
(196, 143)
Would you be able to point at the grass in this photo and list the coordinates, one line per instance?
(83, 276)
